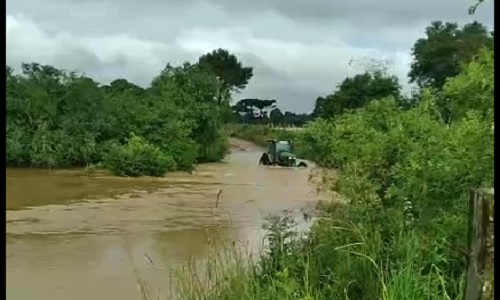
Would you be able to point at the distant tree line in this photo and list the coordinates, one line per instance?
(265, 111)
(437, 56)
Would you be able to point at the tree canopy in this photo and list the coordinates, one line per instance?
(356, 92)
(233, 75)
(446, 46)
(57, 118)
(254, 108)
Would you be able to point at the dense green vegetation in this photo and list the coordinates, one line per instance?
(404, 167)
(62, 119)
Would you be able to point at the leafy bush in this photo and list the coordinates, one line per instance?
(471, 90)
(137, 157)
(409, 171)
(17, 147)
(61, 119)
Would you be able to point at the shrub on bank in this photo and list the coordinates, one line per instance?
(59, 119)
(137, 157)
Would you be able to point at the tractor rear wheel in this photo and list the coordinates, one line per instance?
(264, 160)
(302, 165)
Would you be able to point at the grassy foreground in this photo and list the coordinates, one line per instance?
(294, 266)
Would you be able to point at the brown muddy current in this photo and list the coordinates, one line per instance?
(77, 236)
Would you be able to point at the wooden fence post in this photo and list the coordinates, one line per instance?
(481, 252)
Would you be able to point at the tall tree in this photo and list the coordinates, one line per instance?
(264, 106)
(318, 107)
(226, 66)
(195, 90)
(440, 54)
(276, 116)
(256, 108)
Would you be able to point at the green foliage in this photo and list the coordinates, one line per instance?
(356, 92)
(138, 157)
(61, 119)
(336, 260)
(472, 90)
(227, 67)
(446, 46)
(198, 93)
(276, 116)
(408, 171)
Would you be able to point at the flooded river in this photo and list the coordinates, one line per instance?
(76, 236)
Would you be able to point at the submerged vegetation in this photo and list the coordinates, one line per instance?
(405, 165)
(62, 119)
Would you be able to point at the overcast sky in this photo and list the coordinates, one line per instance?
(300, 49)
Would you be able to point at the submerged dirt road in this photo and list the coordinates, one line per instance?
(72, 236)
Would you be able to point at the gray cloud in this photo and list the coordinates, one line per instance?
(299, 49)
(362, 12)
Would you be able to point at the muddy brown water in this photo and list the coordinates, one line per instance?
(75, 236)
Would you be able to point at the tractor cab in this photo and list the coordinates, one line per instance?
(280, 152)
(275, 148)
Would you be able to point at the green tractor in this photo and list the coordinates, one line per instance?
(280, 153)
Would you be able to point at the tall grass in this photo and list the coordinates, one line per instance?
(335, 260)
